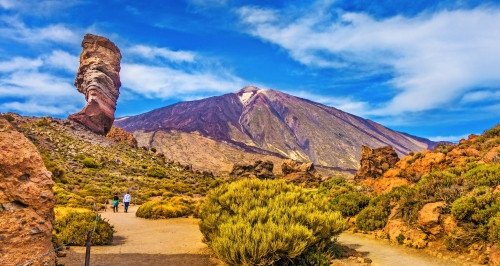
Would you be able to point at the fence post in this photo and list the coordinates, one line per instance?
(87, 253)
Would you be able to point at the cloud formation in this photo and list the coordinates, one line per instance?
(434, 58)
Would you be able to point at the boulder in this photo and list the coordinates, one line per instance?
(428, 217)
(26, 201)
(375, 162)
(290, 166)
(298, 173)
(118, 134)
(98, 79)
(260, 169)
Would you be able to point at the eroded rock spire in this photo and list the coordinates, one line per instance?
(98, 78)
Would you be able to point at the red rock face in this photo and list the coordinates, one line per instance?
(26, 201)
(98, 77)
(375, 162)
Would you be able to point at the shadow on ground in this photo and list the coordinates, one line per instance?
(78, 259)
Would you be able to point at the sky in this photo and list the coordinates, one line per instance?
(428, 68)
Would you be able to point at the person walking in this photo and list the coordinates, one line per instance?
(126, 201)
(115, 203)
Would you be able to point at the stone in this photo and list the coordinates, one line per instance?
(26, 200)
(260, 169)
(428, 217)
(98, 78)
(118, 134)
(494, 258)
(375, 162)
(298, 173)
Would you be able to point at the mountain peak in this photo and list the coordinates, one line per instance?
(247, 93)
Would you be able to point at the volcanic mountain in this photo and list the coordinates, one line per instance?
(268, 122)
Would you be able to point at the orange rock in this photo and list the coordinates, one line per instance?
(375, 162)
(428, 217)
(385, 184)
(449, 224)
(119, 134)
(26, 201)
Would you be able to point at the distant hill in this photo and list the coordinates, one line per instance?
(271, 123)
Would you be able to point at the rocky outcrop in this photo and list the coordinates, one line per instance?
(428, 217)
(99, 79)
(260, 169)
(119, 134)
(375, 162)
(296, 172)
(26, 201)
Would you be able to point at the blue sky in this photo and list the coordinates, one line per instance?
(428, 68)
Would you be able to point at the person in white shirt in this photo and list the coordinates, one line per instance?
(126, 201)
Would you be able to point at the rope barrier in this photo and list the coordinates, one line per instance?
(66, 244)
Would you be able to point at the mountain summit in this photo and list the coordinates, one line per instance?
(270, 121)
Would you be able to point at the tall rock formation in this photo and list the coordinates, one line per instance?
(375, 162)
(26, 201)
(98, 77)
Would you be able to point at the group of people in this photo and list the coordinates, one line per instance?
(116, 200)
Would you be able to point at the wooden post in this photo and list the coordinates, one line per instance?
(87, 253)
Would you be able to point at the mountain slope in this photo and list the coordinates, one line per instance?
(272, 121)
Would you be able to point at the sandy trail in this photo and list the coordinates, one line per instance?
(147, 242)
(383, 253)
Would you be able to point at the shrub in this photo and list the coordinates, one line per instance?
(168, 208)
(484, 175)
(400, 238)
(71, 224)
(90, 163)
(156, 171)
(261, 222)
(350, 204)
(9, 117)
(153, 149)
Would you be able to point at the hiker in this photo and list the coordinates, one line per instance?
(126, 201)
(115, 203)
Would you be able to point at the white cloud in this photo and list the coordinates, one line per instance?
(435, 58)
(151, 52)
(7, 4)
(38, 8)
(35, 92)
(478, 96)
(166, 82)
(18, 31)
(34, 108)
(63, 60)
(20, 63)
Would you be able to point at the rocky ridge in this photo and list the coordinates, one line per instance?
(98, 78)
(26, 201)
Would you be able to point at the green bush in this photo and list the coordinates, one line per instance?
(350, 204)
(90, 163)
(484, 175)
(72, 224)
(261, 222)
(156, 171)
(168, 208)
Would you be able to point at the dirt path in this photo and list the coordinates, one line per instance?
(383, 253)
(147, 242)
